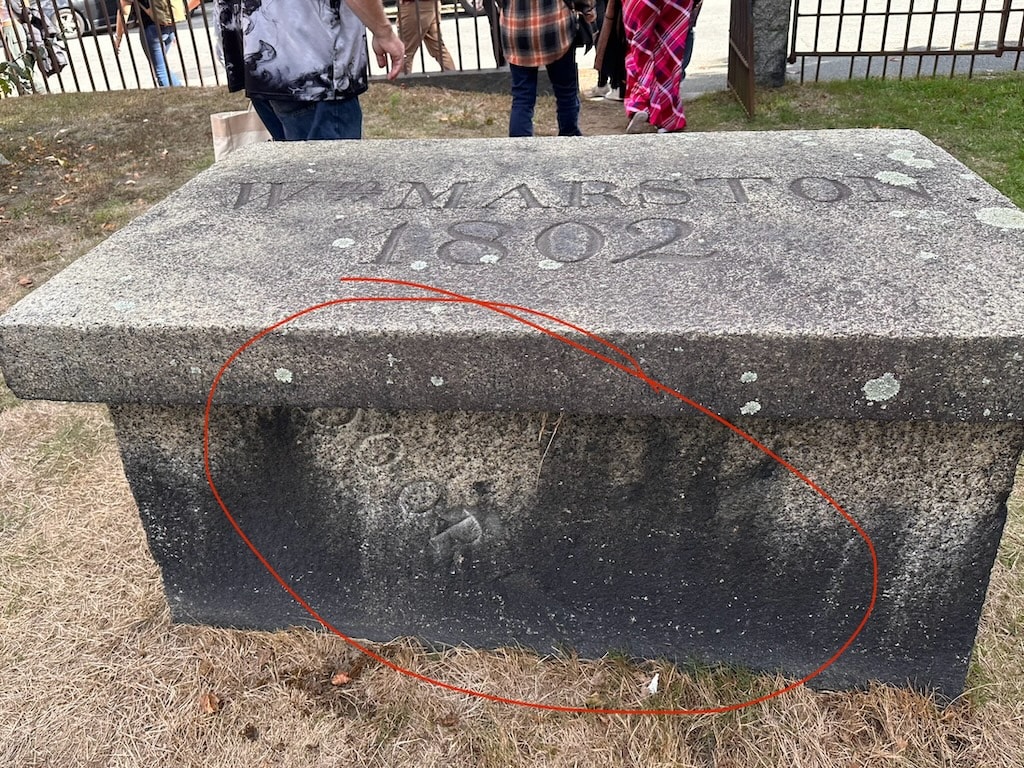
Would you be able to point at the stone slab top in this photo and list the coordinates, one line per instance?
(792, 274)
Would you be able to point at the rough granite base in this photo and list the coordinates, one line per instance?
(667, 537)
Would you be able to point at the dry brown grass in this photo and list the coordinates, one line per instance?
(94, 673)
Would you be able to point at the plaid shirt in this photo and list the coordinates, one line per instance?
(538, 32)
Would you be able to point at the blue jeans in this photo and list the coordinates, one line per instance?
(158, 42)
(564, 82)
(310, 120)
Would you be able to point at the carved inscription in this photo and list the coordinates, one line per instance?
(577, 194)
(674, 241)
(457, 528)
(652, 220)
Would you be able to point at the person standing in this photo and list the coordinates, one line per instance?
(303, 63)
(657, 32)
(8, 37)
(536, 33)
(610, 56)
(419, 22)
(157, 30)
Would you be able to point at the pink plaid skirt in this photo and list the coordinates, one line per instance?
(656, 30)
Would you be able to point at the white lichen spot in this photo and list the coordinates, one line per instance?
(437, 381)
(896, 179)
(311, 170)
(344, 242)
(283, 375)
(549, 264)
(124, 306)
(930, 215)
(927, 256)
(986, 382)
(749, 409)
(1018, 357)
(898, 214)
(908, 158)
(392, 360)
(987, 412)
(748, 377)
(195, 370)
(885, 387)
(419, 266)
(435, 309)
(489, 258)
(1004, 218)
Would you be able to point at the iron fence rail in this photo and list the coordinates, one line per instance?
(829, 39)
(907, 37)
(86, 29)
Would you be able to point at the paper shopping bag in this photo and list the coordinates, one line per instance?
(234, 130)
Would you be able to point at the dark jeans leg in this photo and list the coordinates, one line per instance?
(269, 117)
(688, 52)
(566, 85)
(311, 120)
(524, 99)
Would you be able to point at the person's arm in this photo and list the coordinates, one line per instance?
(588, 9)
(386, 42)
(126, 8)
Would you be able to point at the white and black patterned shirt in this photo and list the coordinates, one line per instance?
(296, 50)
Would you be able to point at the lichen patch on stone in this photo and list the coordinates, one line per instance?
(1004, 218)
(896, 179)
(908, 158)
(884, 387)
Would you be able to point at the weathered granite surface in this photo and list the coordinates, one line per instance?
(852, 298)
(818, 261)
(771, 41)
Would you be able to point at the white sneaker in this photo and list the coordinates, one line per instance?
(641, 123)
(614, 95)
(597, 92)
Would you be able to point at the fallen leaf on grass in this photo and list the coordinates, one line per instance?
(340, 678)
(25, 282)
(209, 703)
(449, 721)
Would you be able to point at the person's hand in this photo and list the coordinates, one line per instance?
(390, 46)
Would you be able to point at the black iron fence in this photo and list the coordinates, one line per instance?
(85, 32)
(830, 39)
(846, 39)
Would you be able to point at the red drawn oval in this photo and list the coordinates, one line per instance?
(521, 314)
